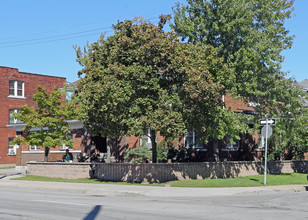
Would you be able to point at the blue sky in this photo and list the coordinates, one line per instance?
(38, 36)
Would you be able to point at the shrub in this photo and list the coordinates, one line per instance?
(138, 155)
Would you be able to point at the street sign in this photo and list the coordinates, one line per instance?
(270, 121)
(269, 131)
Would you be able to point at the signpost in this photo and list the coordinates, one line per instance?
(267, 132)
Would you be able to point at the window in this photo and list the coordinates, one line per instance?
(231, 147)
(13, 120)
(12, 147)
(261, 141)
(191, 140)
(16, 89)
(34, 148)
(145, 140)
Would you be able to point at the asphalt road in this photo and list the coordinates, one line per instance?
(47, 200)
(40, 204)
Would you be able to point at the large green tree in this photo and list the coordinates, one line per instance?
(46, 124)
(250, 35)
(143, 78)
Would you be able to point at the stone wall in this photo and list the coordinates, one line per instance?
(59, 170)
(159, 173)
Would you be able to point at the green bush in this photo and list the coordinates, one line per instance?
(166, 151)
(138, 155)
(162, 151)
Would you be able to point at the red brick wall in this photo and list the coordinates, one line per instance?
(31, 81)
(236, 105)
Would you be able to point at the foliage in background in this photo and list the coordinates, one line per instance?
(162, 151)
(290, 136)
(138, 155)
(251, 38)
(166, 151)
(49, 118)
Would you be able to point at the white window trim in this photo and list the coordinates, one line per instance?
(232, 147)
(36, 148)
(15, 90)
(15, 119)
(12, 151)
(149, 142)
(194, 136)
(261, 141)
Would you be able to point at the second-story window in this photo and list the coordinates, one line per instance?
(16, 89)
(13, 120)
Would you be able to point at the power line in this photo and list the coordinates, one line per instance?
(45, 39)
(51, 37)
(48, 41)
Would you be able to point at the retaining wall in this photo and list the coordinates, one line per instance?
(59, 170)
(158, 173)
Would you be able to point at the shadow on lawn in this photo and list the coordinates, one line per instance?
(256, 180)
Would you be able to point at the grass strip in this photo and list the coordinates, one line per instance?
(81, 180)
(248, 181)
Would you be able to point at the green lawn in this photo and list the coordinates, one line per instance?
(272, 180)
(248, 181)
(82, 180)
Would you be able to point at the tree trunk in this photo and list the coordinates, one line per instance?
(215, 150)
(46, 154)
(154, 146)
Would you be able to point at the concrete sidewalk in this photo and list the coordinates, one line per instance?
(133, 190)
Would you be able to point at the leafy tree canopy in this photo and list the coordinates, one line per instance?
(143, 77)
(49, 118)
(249, 35)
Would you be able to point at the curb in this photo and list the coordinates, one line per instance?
(142, 191)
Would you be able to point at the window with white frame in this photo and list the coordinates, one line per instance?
(232, 144)
(191, 140)
(145, 140)
(11, 147)
(261, 141)
(13, 120)
(64, 147)
(34, 148)
(16, 89)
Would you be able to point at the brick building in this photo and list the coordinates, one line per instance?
(18, 87)
(16, 90)
(249, 147)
